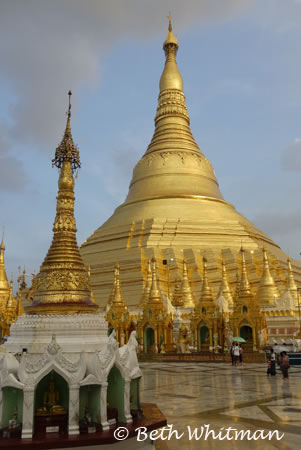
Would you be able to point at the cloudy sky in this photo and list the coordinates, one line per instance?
(241, 65)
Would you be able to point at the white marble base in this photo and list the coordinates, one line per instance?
(74, 333)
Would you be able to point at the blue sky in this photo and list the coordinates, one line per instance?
(241, 65)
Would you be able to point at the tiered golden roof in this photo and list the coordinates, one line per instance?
(62, 286)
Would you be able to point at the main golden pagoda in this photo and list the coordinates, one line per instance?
(174, 212)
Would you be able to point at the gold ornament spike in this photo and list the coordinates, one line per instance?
(154, 294)
(267, 291)
(185, 290)
(19, 305)
(206, 299)
(244, 288)
(62, 286)
(117, 298)
(4, 285)
(224, 289)
(291, 284)
(237, 286)
(148, 285)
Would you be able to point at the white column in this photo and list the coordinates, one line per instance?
(73, 425)
(103, 407)
(127, 409)
(27, 422)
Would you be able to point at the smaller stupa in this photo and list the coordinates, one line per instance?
(60, 371)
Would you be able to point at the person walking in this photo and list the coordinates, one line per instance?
(241, 352)
(236, 354)
(231, 353)
(284, 364)
(273, 362)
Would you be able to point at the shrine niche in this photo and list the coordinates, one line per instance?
(115, 397)
(149, 339)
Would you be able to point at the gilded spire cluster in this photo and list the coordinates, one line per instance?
(62, 286)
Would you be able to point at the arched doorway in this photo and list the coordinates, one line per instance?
(204, 339)
(149, 339)
(115, 395)
(246, 333)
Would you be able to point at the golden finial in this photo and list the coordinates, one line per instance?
(67, 150)
(169, 22)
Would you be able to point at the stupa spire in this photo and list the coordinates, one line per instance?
(185, 290)
(206, 299)
(291, 284)
(4, 285)
(244, 288)
(173, 166)
(171, 77)
(116, 297)
(224, 289)
(154, 294)
(267, 291)
(62, 286)
(148, 284)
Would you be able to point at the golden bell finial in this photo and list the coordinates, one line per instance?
(67, 150)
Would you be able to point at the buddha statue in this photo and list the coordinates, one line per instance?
(50, 401)
(13, 423)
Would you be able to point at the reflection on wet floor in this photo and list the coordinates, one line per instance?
(194, 394)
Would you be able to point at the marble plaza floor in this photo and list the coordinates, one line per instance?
(244, 398)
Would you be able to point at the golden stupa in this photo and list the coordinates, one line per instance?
(62, 285)
(175, 212)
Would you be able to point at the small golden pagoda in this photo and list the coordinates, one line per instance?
(154, 325)
(117, 313)
(62, 285)
(8, 303)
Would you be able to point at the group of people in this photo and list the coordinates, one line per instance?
(283, 363)
(236, 352)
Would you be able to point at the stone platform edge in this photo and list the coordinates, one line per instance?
(152, 419)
